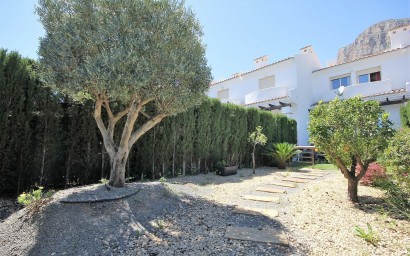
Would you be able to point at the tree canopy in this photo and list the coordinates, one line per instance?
(125, 55)
(350, 132)
(147, 49)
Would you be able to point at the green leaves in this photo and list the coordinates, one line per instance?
(257, 137)
(349, 128)
(282, 152)
(152, 49)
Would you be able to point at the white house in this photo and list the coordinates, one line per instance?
(294, 85)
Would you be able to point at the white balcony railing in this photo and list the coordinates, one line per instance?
(364, 89)
(266, 94)
(233, 101)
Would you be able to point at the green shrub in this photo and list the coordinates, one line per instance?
(28, 198)
(35, 198)
(397, 200)
(162, 180)
(397, 158)
(104, 181)
(220, 164)
(375, 173)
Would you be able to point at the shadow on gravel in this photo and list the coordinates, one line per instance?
(242, 175)
(156, 221)
(377, 205)
(8, 206)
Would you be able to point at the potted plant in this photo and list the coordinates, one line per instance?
(282, 152)
(224, 170)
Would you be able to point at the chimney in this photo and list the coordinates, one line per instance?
(307, 49)
(399, 37)
(261, 61)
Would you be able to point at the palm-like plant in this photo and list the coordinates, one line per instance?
(282, 152)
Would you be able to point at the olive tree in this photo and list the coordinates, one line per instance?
(135, 59)
(350, 132)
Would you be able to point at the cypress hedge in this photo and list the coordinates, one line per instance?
(49, 140)
(207, 134)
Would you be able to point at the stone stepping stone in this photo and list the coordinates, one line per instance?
(271, 190)
(262, 198)
(284, 184)
(271, 213)
(274, 236)
(303, 177)
(295, 180)
(313, 174)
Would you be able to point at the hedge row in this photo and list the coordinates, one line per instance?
(47, 139)
(194, 141)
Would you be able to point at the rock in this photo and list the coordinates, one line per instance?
(373, 40)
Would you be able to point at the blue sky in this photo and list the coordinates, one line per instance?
(238, 31)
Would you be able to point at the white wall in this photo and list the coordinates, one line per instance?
(240, 86)
(307, 87)
(394, 111)
(395, 70)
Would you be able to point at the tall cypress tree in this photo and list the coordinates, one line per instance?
(17, 97)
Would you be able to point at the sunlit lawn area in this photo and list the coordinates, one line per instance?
(321, 166)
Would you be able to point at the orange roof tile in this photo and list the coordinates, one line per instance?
(386, 93)
(375, 95)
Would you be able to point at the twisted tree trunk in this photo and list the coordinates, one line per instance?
(118, 154)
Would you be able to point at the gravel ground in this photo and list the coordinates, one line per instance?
(189, 215)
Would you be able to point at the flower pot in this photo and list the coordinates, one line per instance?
(228, 170)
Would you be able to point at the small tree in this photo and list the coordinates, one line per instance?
(142, 58)
(350, 132)
(256, 138)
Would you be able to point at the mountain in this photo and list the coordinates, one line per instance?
(373, 40)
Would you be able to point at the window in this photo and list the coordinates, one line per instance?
(368, 75)
(371, 77)
(341, 81)
(267, 82)
(223, 95)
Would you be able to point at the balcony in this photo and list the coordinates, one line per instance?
(233, 101)
(364, 89)
(266, 94)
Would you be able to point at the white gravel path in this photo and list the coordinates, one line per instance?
(189, 215)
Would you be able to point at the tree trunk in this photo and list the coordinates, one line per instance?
(253, 162)
(43, 158)
(183, 166)
(173, 152)
(153, 155)
(199, 165)
(352, 190)
(102, 161)
(117, 174)
(20, 167)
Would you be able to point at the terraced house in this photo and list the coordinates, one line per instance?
(376, 66)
